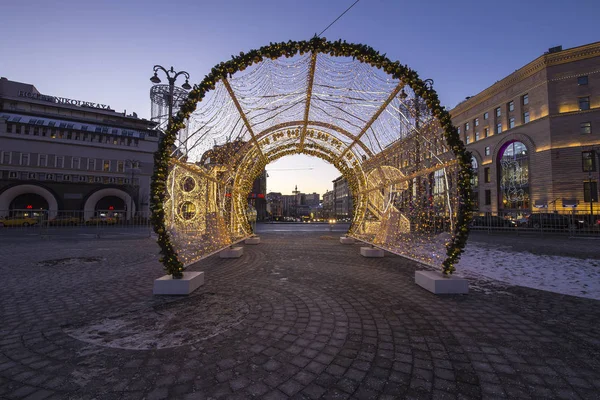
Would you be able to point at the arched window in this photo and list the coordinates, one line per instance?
(475, 182)
(514, 176)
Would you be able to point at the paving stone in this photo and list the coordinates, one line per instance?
(361, 331)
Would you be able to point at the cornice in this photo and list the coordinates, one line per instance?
(542, 62)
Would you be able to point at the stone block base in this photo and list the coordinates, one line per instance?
(186, 285)
(232, 252)
(346, 240)
(371, 252)
(252, 240)
(438, 283)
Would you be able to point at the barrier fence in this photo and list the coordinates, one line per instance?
(576, 223)
(41, 221)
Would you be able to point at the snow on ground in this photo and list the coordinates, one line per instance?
(565, 275)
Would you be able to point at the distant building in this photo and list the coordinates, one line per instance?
(60, 155)
(342, 198)
(274, 205)
(328, 204)
(312, 199)
(533, 133)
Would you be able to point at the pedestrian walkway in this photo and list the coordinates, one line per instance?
(298, 316)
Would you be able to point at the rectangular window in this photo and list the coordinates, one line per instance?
(6, 157)
(486, 115)
(12, 174)
(466, 126)
(526, 99)
(91, 164)
(59, 162)
(486, 132)
(458, 129)
(584, 103)
(476, 136)
(67, 178)
(499, 128)
(120, 166)
(498, 112)
(106, 166)
(526, 117)
(467, 139)
(42, 160)
(49, 177)
(585, 127)
(82, 178)
(24, 158)
(98, 179)
(511, 123)
(511, 106)
(488, 197)
(476, 122)
(75, 163)
(486, 175)
(487, 150)
(582, 80)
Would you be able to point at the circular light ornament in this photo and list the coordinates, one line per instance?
(188, 184)
(187, 210)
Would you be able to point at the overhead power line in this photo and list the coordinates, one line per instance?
(341, 15)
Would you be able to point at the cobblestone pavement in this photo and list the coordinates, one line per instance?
(322, 322)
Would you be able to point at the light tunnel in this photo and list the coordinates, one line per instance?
(373, 119)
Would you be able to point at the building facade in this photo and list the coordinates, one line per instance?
(342, 199)
(274, 206)
(328, 204)
(60, 155)
(535, 136)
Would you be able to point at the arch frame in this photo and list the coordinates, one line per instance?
(89, 207)
(339, 48)
(499, 152)
(8, 195)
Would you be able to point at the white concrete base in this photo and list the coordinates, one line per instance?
(232, 252)
(371, 252)
(346, 240)
(186, 285)
(252, 240)
(438, 283)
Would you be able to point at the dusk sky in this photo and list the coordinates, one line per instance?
(104, 51)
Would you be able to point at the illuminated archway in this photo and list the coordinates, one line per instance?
(89, 208)
(373, 119)
(10, 194)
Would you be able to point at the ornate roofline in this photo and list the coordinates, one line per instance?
(540, 63)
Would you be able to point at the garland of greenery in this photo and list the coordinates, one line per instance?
(274, 51)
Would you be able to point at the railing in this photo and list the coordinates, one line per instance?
(575, 223)
(100, 222)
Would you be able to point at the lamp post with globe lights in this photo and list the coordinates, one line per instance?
(171, 77)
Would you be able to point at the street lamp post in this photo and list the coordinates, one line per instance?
(171, 77)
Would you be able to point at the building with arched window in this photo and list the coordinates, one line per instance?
(530, 131)
(60, 155)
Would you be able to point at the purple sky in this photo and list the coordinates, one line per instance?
(104, 51)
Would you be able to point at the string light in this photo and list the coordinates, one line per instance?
(408, 171)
